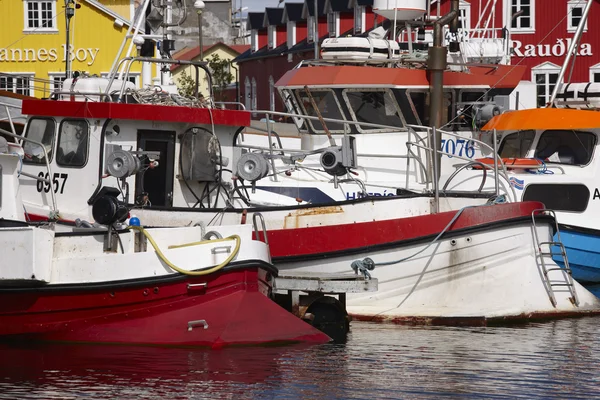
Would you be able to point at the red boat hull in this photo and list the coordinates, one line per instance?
(227, 308)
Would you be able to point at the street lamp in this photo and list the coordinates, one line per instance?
(199, 6)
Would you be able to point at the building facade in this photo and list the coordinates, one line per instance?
(33, 50)
(538, 32)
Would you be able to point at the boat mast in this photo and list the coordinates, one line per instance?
(572, 50)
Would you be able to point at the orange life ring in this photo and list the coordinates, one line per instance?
(511, 163)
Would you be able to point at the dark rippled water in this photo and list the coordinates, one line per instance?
(559, 359)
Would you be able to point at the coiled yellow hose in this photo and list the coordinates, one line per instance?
(234, 253)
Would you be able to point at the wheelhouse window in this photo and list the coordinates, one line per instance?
(375, 107)
(525, 21)
(566, 147)
(41, 130)
(328, 107)
(517, 145)
(420, 104)
(40, 15)
(73, 139)
(559, 197)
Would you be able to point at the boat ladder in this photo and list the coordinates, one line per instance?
(554, 248)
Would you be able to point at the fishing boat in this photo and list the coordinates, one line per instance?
(177, 162)
(130, 285)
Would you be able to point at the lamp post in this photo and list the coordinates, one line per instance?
(199, 6)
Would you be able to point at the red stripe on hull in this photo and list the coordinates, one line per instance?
(234, 305)
(332, 238)
(143, 112)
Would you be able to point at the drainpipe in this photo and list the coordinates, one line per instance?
(237, 83)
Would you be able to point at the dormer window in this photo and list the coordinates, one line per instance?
(310, 36)
(291, 33)
(333, 24)
(272, 33)
(359, 19)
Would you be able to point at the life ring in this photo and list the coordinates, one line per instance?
(511, 163)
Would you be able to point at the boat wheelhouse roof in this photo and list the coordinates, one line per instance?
(142, 112)
(544, 118)
(498, 76)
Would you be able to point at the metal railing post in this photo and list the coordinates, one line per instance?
(436, 189)
(271, 146)
(496, 177)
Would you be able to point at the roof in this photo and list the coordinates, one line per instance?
(544, 118)
(108, 11)
(292, 12)
(189, 53)
(498, 77)
(338, 5)
(273, 16)
(309, 6)
(255, 20)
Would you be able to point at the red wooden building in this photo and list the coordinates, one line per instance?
(538, 31)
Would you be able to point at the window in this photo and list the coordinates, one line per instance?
(248, 92)
(559, 197)
(72, 149)
(310, 24)
(20, 84)
(374, 106)
(133, 77)
(327, 104)
(333, 24)
(525, 21)
(272, 32)
(41, 130)
(566, 147)
(56, 81)
(291, 34)
(575, 14)
(359, 19)
(517, 145)
(271, 93)
(545, 77)
(254, 100)
(595, 73)
(40, 15)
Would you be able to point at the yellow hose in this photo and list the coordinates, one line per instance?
(185, 271)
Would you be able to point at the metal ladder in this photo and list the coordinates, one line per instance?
(566, 271)
(259, 217)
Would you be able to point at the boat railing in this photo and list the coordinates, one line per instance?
(423, 156)
(7, 107)
(224, 104)
(37, 177)
(29, 84)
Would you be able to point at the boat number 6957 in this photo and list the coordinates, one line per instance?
(458, 147)
(57, 184)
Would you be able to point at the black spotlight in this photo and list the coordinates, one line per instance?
(107, 209)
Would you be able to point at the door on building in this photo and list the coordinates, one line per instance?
(154, 187)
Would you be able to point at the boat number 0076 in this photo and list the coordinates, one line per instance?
(57, 184)
(458, 147)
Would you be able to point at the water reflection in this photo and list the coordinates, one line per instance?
(556, 359)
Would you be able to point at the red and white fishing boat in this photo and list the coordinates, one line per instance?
(437, 258)
(163, 286)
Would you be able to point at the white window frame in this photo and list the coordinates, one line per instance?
(272, 34)
(310, 29)
(291, 34)
(544, 69)
(271, 93)
(135, 75)
(595, 69)
(333, 24)
(572, 4)
(52, 76)
(40, 29)
(519, 28)
(28, 75)
(359, 19)
(254, 40)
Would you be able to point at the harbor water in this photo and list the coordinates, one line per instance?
(556, 359)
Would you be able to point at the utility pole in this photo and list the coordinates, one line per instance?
(69, 13)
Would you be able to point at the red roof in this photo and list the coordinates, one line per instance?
(189, 53)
